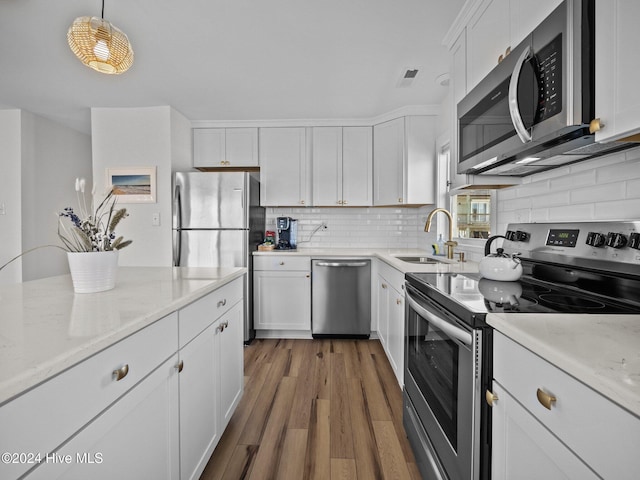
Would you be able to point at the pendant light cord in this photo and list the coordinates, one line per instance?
(102, 9)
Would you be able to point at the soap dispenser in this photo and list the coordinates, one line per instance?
(441, 246)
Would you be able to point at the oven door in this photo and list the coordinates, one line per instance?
(442, 386)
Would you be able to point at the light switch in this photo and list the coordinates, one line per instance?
(3, 210)
(155, 219)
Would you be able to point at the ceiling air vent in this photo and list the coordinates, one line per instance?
(407, 77)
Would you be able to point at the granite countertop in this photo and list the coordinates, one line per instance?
(389, 256)
(46, 328)
(601, 351)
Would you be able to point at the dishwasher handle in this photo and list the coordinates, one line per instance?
(341, 264)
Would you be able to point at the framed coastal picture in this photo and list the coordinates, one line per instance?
(133, 184)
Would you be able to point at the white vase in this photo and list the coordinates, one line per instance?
(93, 271)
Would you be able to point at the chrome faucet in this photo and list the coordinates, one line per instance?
(449, 243)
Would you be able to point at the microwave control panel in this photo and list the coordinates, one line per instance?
(549, 72)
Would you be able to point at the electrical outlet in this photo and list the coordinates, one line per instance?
(155, 219)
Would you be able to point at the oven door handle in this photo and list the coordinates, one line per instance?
(451, 330)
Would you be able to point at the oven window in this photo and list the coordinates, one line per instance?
(433, 363)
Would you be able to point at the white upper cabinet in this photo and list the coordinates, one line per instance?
(617, 69)
(498, 25)
(225, 147)
(527, 15)
(284, 171)
(342, 166)
(404, 161)
(488, 36)
(357, 166)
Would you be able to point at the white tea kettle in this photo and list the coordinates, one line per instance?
(499, 265)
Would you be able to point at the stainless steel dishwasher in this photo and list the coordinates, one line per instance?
(341, 298)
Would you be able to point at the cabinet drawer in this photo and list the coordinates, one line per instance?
(196, 317)
(600, 432)
(392, 276)
(281, 262)
(42, 418)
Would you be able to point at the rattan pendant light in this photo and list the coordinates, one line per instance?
(100, 45)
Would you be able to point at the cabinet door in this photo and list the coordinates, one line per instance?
(388, 158)
(199, 402)
(136, 437)
(488, 37)
(284, 172)
(241, 147)
(327, 166)
(527, 15)
(522, 448)
(230, 359)
(282, 300)
(357, 166)
(395, 339)
(383, 311)
(208, 147)
(617, 75)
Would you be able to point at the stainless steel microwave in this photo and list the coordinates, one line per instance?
(532, 112)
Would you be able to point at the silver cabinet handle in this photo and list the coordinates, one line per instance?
(121, 372)
(222, 303)
(222, 326)
(514, 110)
(180, 366)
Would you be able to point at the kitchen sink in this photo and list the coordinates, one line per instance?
(421, 260)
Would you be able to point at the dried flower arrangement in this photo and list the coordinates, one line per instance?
(92, 230)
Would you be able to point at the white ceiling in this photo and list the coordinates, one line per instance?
(230, 59)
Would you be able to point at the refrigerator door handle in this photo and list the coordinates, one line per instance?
(177, 244)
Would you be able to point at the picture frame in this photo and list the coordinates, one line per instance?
(133, 184)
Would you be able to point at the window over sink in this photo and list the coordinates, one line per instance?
(472, 210)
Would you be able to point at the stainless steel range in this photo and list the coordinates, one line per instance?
(567, 268)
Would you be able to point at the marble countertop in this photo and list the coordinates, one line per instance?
(387, 255)
(46, 328)
(602, 351)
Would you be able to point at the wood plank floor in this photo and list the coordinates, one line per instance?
(315, 409)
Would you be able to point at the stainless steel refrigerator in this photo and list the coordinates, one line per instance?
(218, 222)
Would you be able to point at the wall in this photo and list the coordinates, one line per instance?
(142, 137)
(380, 227)
(10, 195)
(40, 161)
(53, 156)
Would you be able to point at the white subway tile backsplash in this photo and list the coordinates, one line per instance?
(571, 213)
(607, 191)
(357, 227)
(617, 210)
(604, 188)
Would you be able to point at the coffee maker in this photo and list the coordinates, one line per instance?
(287, 233)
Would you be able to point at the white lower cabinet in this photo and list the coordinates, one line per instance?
(137, 437)
(547, 424)
(282, 293)
(211, 373)
(153, 405)
(199, 403)
(524, 449)
(390, 313)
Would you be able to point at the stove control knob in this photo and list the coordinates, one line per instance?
(595, 239)
(616, 240)
(634, 240)
(521, 236)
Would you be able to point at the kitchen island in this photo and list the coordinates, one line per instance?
(91, 377)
